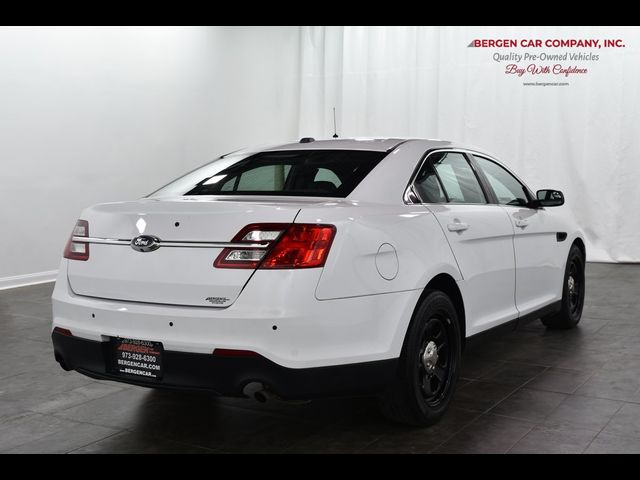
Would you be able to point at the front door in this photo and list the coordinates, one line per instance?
(539, 266)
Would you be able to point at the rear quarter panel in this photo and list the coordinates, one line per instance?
(380, 249)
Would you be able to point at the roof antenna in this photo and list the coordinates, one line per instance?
(335, 124)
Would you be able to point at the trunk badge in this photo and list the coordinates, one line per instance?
(145, 243)
(217, 300)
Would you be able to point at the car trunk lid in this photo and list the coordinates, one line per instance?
(193, 230)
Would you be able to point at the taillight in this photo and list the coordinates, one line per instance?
(77, 249)
(281, 246)
(302, 246)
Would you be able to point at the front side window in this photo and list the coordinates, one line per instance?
(507, 188)
(320, 173)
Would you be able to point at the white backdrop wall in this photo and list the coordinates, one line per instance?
(423, 81)
(90, 115)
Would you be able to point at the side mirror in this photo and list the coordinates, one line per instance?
(550, 198)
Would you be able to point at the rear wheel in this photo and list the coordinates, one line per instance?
(572, 295)
(428, 368)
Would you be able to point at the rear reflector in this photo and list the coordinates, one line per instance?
(76, 250)
(224, 352)
(282, 246)
(63, 331)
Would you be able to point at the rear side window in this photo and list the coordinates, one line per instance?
(448, 177)
(317, 173)
(428, 186)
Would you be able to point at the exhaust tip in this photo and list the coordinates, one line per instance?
(258, 392)
(253, 390)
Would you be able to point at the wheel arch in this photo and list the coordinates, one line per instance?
(445, 283)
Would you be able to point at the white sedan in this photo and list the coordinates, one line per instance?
(319, 268)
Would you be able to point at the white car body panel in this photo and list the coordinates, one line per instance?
(484, 255)
(355, 309)
(539, 257)
(371, 259)
(310, 333)
(173, 276)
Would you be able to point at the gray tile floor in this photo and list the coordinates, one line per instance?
(530, 391)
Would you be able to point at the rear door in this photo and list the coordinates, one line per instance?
(480, 236)
(539, 264)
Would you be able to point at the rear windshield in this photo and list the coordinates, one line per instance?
(315, 173)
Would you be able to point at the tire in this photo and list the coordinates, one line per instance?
(572, 294)
(428, 366)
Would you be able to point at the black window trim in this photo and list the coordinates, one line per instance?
(484, 181)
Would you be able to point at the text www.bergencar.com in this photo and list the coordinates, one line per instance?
(545, 84)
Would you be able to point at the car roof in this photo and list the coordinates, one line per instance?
(368, 144)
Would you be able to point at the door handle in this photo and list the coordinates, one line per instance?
(458, 227)
(522, 223)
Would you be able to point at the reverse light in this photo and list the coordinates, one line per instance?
(263, 234)
(282, 246)
(75, 249)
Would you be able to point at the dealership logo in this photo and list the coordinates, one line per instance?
(217, 300)
(546, 61)
(145, 243)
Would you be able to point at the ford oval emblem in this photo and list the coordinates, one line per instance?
(145, 243)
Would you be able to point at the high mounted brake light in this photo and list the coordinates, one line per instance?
(77, 250)
(285, 246)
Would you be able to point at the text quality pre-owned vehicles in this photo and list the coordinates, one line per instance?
(313, 269)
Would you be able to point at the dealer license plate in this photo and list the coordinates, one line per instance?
(138, 357)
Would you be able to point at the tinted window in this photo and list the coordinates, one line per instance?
(457, 177)
(506, 187)
(325, 175)
(261, 179)
(320, 173)
(428, 186)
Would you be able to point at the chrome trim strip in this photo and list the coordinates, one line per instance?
(213, 245)
(101, 241)
(169, 244)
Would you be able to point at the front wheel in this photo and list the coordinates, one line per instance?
(572, 294)
(428, 368)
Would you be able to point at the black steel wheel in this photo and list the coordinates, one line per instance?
(572, 295)
(434, 360)
(428, 368)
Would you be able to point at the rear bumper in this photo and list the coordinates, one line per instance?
(277, 316)
(229, 376)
